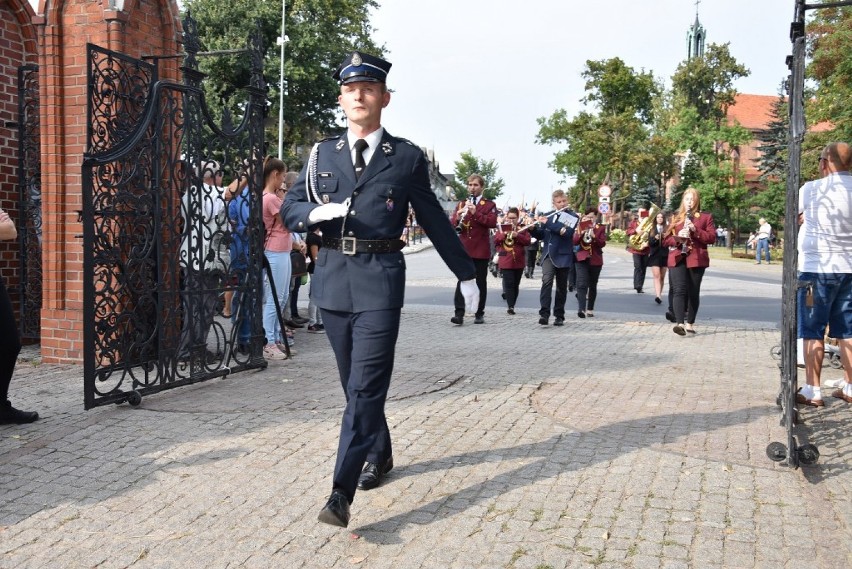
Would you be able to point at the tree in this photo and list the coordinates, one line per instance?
(468, 164)
(320, 33)
(829, 38)
(774, 142)
(613, 145)
(706, 83)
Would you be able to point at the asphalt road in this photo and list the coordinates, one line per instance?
(731, 291)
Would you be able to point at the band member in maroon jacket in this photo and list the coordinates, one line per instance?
(511, 256)
(590, 238)
(640, 258)
(474, 220)
(689, 234)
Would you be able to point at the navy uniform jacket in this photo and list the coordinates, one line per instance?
(560, 248)
(396, 176)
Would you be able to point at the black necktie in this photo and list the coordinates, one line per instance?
(360, 146)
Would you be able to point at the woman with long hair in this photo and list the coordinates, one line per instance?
(589, 239)
(277, 245)
(687, 237)
(658, 258)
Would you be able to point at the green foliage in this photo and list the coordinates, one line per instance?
(320, 33)
(468, 164)
(829, 38)
(774, 142)
(614, 145)
(617, 236)
(706, 84)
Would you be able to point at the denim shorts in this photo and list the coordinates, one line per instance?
(832, 305)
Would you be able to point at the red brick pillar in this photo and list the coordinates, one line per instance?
(134, 27)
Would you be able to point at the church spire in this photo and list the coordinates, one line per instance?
(695, 37)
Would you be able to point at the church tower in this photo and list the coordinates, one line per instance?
(695, 37)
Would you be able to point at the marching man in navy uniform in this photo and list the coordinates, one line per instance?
(358, 187)
(474, 220)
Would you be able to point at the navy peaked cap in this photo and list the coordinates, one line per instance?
(362, 67)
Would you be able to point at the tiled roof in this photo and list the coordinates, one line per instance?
(753, 112)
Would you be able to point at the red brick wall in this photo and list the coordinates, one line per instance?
(17, 47)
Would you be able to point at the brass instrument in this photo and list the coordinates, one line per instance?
(639, 240)
(686, 245)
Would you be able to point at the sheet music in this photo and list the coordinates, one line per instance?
(568, 219)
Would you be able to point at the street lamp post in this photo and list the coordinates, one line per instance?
(281, 41)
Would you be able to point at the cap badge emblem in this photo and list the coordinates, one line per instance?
(356, 59)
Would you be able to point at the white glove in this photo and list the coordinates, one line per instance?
(328, 211)
(470, 292)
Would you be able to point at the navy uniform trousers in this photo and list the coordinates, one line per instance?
(365, 368)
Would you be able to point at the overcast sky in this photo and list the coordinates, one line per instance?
(475, 74)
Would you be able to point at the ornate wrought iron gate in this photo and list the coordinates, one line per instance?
(157, 258)
(29, 183)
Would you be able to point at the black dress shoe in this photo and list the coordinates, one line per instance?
(559, 322)
(293, 324)
(372, 474)
(581, 314)
(457, 320)
(658, 300)
(510, 311)
(336, 510)
(479, 320)
(669, 316)
(11, 416)
(640, 291)
(542, 321)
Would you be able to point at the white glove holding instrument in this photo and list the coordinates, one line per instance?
(470, 292)
(328, 211)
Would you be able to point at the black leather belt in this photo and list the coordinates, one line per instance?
(351, 245)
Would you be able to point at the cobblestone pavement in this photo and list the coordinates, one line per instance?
(601, 444)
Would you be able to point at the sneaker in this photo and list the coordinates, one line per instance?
(316, 329)
(272, 352)
(11, 416)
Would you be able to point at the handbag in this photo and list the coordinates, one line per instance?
(297, 260)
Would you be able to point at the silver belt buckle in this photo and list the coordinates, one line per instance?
(348, 245)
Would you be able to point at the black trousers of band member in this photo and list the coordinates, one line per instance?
(531, 254)
(549, 273)
(640, 267)
(10, 346)
(686, 284)
(587, 285)
(511, 285)
(481, 283)
(363, 344)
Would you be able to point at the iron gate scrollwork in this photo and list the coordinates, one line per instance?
(161, 244)
(29, 184)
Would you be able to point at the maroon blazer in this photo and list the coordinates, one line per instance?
(591, 251)
(704, 234)
(475, 234)
(631, 230)
(513, 257)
